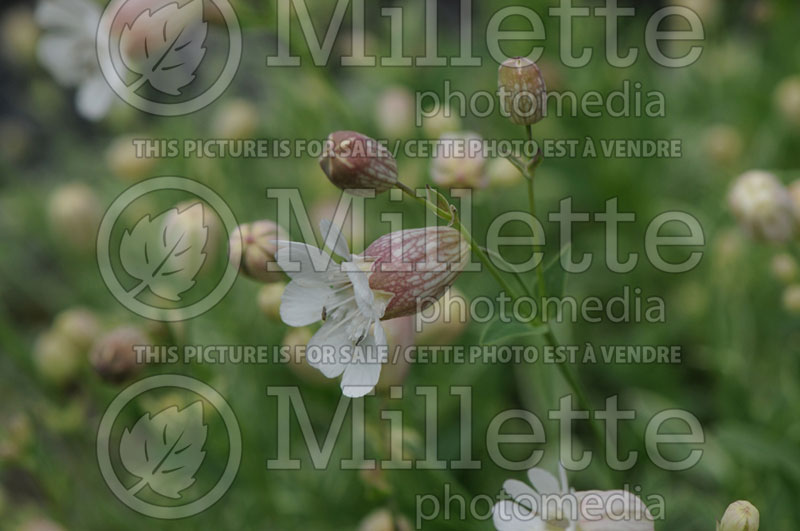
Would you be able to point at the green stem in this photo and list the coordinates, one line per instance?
(571, 379)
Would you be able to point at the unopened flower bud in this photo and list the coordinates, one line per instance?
(256, 243)
(723, 144)
(522, 90)
(394, 112)
(124, 161)
(114, 355)
(502, 173)
(74, 214)
(439, 122)
(356, 163)
(200, 226)
(16, 436)
(763, 206)
(78, 325)
(383, 520)
(787, 99)
(784, 267)
(417, 266)
(19, 34)
(739, 516)
(461, 164)
(236, 119)
(791, 299)
(56, 358)
(269, 300)
(794, 192)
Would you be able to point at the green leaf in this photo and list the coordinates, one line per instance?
(555, 278)
(496, 332)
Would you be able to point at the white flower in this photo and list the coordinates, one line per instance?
(67, 50)
(351, 342)
(763, 206)
(549, 505)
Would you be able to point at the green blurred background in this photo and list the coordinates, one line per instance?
(739, 370)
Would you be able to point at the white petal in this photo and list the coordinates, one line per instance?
(523, 494)
(334, 239)
(364, 296)
(360, 377)
(301, 304)
(543, 481)
(301, 261)
(380, 335)
(323, 351)
(58, 55)
(69, 15)
(94, 98)
(508, 516)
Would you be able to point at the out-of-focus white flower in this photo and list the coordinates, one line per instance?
(548, 504)
(784, 267)
(787, 98)
(389, 280)
(791, 299)
(445, 120)
(123, 161)
(235, 119)
(763, 206)
(383, 520)
(67, 50)
(502, 173)
(739, 516)
(74, 213)
(459, 162)
(394, 112)
(723, 144)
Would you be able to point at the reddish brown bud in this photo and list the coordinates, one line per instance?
(356, 163)
(416, 266)
(522, 91)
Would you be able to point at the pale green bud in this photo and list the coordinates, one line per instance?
(78, 325)
(739, 516)
(784, 268)
(123, 161)
(56, 358)
(791, 299)
(74, 213)
(257, 244)
(502, 173)
(236, 119)
(269, 300)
